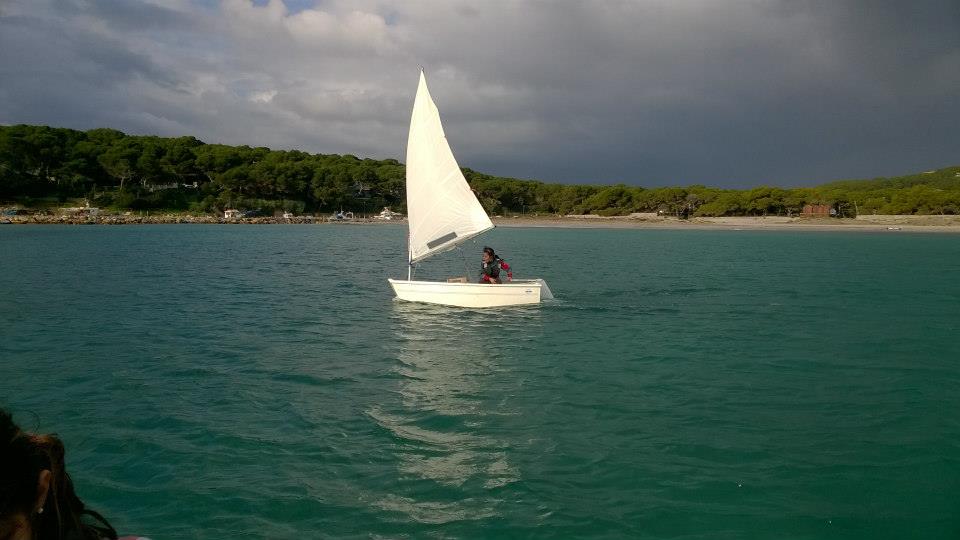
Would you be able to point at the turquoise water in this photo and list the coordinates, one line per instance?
(220, 381)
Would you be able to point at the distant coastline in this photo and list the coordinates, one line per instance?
(873, 223)
(49, 170)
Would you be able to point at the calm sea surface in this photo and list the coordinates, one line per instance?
(260, 381)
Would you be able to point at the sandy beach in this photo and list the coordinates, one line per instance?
(941, 224)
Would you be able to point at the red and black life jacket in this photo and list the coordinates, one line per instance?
(504, 267)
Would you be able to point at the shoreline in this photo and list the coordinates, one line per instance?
(895, 223)
(889, 223)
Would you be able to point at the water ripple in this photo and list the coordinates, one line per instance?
(261, 381)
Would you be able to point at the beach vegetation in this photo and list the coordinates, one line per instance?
(127, 172)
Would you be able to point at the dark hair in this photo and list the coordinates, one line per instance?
(23, 456)
(489, 251)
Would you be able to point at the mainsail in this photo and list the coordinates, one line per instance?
(442, 211)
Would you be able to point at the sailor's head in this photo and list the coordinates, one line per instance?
(488, 254)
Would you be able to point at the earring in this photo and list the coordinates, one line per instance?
(40, 511)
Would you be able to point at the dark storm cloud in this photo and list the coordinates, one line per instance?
(779, 94)
(73, 78)
(650, 93)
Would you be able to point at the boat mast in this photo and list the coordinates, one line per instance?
(409, 254)
(409, 249)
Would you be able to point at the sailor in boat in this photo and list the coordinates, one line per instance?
(491, 265)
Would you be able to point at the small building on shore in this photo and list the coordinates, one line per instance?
(817, 210)
(231, 213)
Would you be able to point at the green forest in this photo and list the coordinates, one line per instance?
(113, 170)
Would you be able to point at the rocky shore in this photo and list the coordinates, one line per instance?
(165, 219)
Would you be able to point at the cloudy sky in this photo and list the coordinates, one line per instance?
(732, 93)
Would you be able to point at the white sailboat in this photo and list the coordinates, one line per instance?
(443, 212)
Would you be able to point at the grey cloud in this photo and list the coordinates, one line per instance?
(652, 92)
(127, 15)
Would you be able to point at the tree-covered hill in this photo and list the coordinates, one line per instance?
(115, 170)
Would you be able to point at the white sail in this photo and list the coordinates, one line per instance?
(442, 211)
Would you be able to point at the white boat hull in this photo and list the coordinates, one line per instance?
(473, 295)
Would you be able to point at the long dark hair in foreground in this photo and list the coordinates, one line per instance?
(63, 516)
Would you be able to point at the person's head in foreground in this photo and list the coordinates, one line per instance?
(37, 501)
(488, 254)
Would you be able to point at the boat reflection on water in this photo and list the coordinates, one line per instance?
(446, 423)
